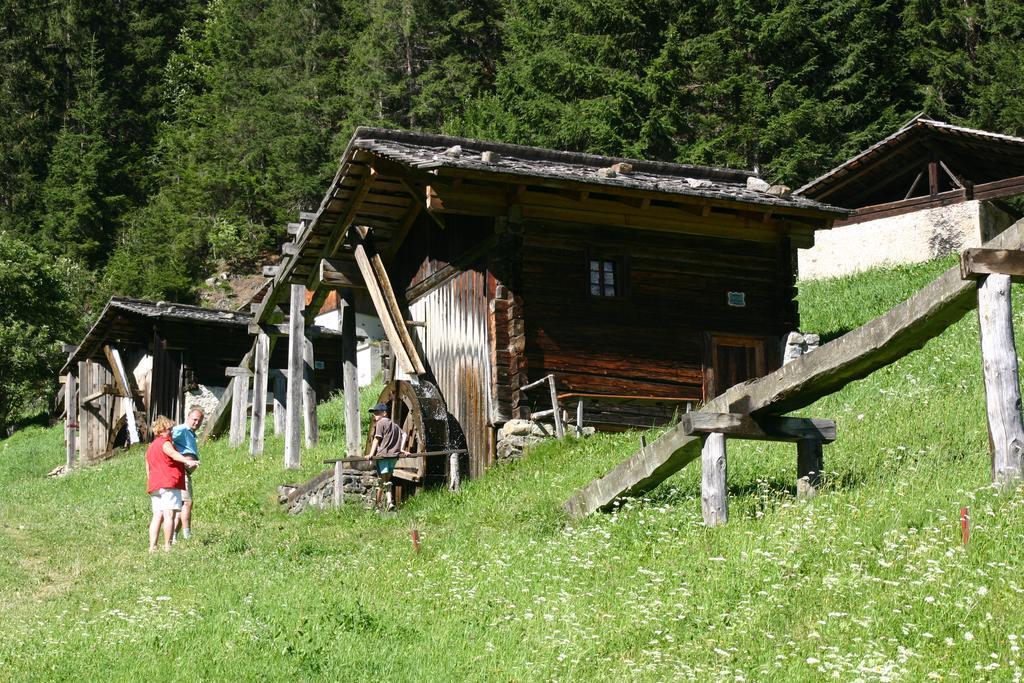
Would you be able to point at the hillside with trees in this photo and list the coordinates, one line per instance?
(147, 145)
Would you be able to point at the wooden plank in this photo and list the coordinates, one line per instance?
(1002, 387)
(239, 403)
(640, 473)
(293, 408)
(71, 422)
(341, 229)
(976, 263)
(714, 500)
(387, 311)
(126, 383)
(280, 393)
(810, 463)
(104, 390)
(259, 394)
(555, 408)
(766, 428)
(310, 426)
(887, 338)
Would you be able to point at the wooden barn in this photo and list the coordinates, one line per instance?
(639, 287)
(141, 359)
(929, 189)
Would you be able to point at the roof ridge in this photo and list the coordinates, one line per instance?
(546, 154)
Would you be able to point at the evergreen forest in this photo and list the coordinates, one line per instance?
(145, 145)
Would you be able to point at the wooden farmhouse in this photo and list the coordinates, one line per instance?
(143, 358)
(639, 287)
(927, 190)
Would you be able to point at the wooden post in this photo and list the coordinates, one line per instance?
(239, 387)
(350, 384)
(70, 424)
(280, 388)
(293, 405)
(559, 427)
(1002, 388)
(579, 418)
(713, 500)
(259, 394)
(310, 426)
(810, 463)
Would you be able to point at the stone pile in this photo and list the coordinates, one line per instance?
(798, 344)
(358, 484)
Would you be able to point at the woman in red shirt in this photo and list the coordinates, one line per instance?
(165, 478)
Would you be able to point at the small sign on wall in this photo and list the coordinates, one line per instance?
(737, 299)
(318, 365)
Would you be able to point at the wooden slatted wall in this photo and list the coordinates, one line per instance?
(456, 350)
(96, 416)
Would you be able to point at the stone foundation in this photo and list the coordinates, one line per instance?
(358, 484)
(516, 436)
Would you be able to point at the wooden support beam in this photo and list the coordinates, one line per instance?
(933, 177)
(105, 390)
(350, 385)
(71, 422)
(887, 338)
(386, 305)
(810, 463)
(1002, 386)
(239, 402)
(341, 229)
(311, 428)
(126, 384)
(261, 369)
(766, 428)
(714, 501)
(556, 408)
(975, 264)
(339, 274)
(281, 330)
(293, 408)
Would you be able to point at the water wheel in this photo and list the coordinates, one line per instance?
(418, 408)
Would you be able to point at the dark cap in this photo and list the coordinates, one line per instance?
(380, 408)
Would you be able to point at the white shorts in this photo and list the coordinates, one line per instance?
(166, 499)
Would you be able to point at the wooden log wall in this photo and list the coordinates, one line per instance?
(506, 324)
(649, 340)
(167, 383)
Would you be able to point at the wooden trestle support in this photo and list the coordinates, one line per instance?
(751, 410)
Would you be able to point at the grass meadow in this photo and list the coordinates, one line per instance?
(867, 582)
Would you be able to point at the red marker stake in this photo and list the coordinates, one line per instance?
(965, 526)
(416, 540)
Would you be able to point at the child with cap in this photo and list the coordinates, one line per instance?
(388, 440)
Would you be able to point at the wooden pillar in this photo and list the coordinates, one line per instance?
(579, 418)
(84, 419)
(350, 384)
(1002, 388)
(293, 405)
(713, 500)
(70, 424)
(309, 423)
(280, 390)
(239, 388)
(261, 363)
(933, 177)
(810, 462)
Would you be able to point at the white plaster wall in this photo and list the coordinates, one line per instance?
(908, 238)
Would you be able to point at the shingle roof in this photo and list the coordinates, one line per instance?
(427, 151)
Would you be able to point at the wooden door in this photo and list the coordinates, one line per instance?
(731, 359)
